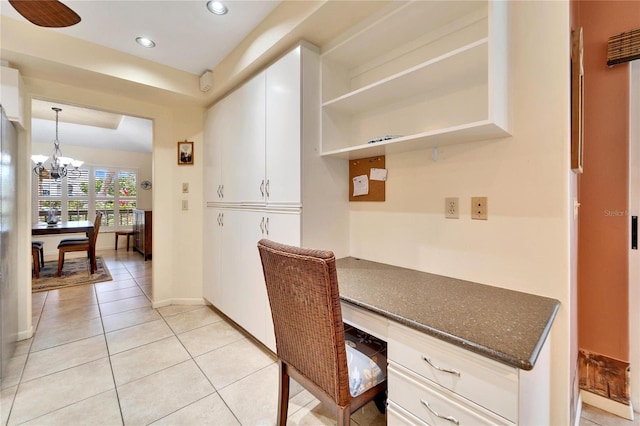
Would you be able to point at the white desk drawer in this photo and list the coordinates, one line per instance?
(434, 405)
(487, 383)
(398, 416)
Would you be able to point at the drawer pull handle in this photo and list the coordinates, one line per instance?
(435, 413)
(444, 370)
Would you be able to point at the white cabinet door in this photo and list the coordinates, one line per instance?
(213, 219)
(214, 136)
(242, 294)
(242, 270)
(283, 114)
(244, 163)
(283, 228)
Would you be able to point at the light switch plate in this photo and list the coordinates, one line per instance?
(185, 187)
(185, 204)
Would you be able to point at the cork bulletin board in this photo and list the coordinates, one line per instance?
(361, 167)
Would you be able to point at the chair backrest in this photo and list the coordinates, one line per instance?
(302, 285)
(96, 227)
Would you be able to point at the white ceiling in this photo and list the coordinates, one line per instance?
(85, 127)
(188, 37)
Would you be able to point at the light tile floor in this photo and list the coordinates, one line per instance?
(101, 355)
(592, 416)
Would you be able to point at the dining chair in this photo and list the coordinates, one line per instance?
(40, 246)
(79, 244)
(302, 287)
(36, 260)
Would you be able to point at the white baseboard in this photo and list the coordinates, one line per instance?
(26, 334)
(606, 404)
(162, 303)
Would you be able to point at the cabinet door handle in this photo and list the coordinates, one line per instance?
(266, 188)
(435, 413)
(262, 188)
(218, 219)
(222, 191)
(266, 227)
(262, 226)
(221, 219)
(218, 191)
(444, 370)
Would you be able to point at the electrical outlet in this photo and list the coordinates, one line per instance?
(479, 208)
(451, 208)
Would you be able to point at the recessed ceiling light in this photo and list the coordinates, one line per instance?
(217, 7)
(145, 42)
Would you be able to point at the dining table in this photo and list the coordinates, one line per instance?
(69, 227)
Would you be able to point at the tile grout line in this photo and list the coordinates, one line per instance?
(106, 343)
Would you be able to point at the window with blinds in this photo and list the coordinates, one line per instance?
(82, 193)
(127, 197)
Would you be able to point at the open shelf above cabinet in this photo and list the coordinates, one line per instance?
(463, 66)
(435, 73)
(481, 130)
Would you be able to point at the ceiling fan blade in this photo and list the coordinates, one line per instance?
(46, 13)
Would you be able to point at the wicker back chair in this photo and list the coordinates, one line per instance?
(303, 294)
(80, 244)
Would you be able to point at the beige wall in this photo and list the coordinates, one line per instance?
(525, 243)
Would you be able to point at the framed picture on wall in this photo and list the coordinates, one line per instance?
(577, 101)
(185, 153)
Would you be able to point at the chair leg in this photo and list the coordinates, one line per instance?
(60, 262)
(116, 234)
(36, 262)
(283, 393)
(41, 256)
(344, 416)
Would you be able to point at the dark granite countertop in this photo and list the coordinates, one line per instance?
(505, 325)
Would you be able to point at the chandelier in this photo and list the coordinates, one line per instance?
(59, 165)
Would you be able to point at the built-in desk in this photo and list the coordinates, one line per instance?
(490, 362)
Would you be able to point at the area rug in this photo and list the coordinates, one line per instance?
(76, 271)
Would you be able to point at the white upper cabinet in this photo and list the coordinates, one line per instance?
(244, 151)
(214, 132)
(253, 139)
(425, 73)
(234, 149)
(283, 145)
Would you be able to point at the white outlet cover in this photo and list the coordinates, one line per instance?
(451, 208)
